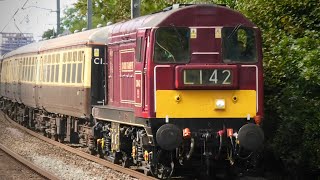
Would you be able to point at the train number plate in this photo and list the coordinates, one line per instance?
(207, 77)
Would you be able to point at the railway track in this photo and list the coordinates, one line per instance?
(82, 154)
(41, 172)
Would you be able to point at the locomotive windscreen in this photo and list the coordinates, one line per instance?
(239, 44)
(172, 45)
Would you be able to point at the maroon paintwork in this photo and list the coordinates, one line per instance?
(202, 17)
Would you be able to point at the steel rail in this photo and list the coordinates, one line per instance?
(43, 173)
(87, 156)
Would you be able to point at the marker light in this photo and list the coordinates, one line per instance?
(186, 133)
(220, 133)
(258, 120)
(229, 132)
(220, 104)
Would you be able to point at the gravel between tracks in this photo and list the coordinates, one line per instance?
(59, 162)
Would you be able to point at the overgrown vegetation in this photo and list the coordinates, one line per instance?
(291, 45)
(291, 33)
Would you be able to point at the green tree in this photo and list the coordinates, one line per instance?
(73, 19)
(48, 34)
(105, 11)
(292, 78)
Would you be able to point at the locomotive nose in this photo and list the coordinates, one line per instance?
(169, 136)
(251, 137)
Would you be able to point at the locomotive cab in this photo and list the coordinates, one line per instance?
(208, 82)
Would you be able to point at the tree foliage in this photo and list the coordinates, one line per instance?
(49, 33)
(105, 11)
(73, 19)
(292, 78)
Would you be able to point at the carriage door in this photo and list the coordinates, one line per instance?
(140, 73)
(97, 72)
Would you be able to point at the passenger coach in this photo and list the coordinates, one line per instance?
(52, 79)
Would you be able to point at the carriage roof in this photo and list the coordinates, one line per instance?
(87, 37)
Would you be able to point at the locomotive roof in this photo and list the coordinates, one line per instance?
(162, 18)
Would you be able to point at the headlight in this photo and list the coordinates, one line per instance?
(220, 104)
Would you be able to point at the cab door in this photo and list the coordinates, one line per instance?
(140, 74)
(113, 76)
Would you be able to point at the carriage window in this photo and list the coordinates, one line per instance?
(31, 76)
(52, 73)
(75, 56)
(49, 59)
(69, 57)
(138, 49)
(58, 58)
(238, 44)
(57, 73)
(63, 73)
(44, 73)
(68, 73)
(29, 71)
(48, 73)
(34, 69)
(172, 45)
(79, 56)
(64, 57)
(79, 74)
(74, 71)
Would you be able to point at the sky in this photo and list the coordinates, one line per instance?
(36, 17)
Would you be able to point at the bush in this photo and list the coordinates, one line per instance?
(291, 33)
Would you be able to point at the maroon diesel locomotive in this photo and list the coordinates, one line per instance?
(179, 88)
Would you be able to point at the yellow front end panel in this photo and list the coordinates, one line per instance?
(203, 103)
